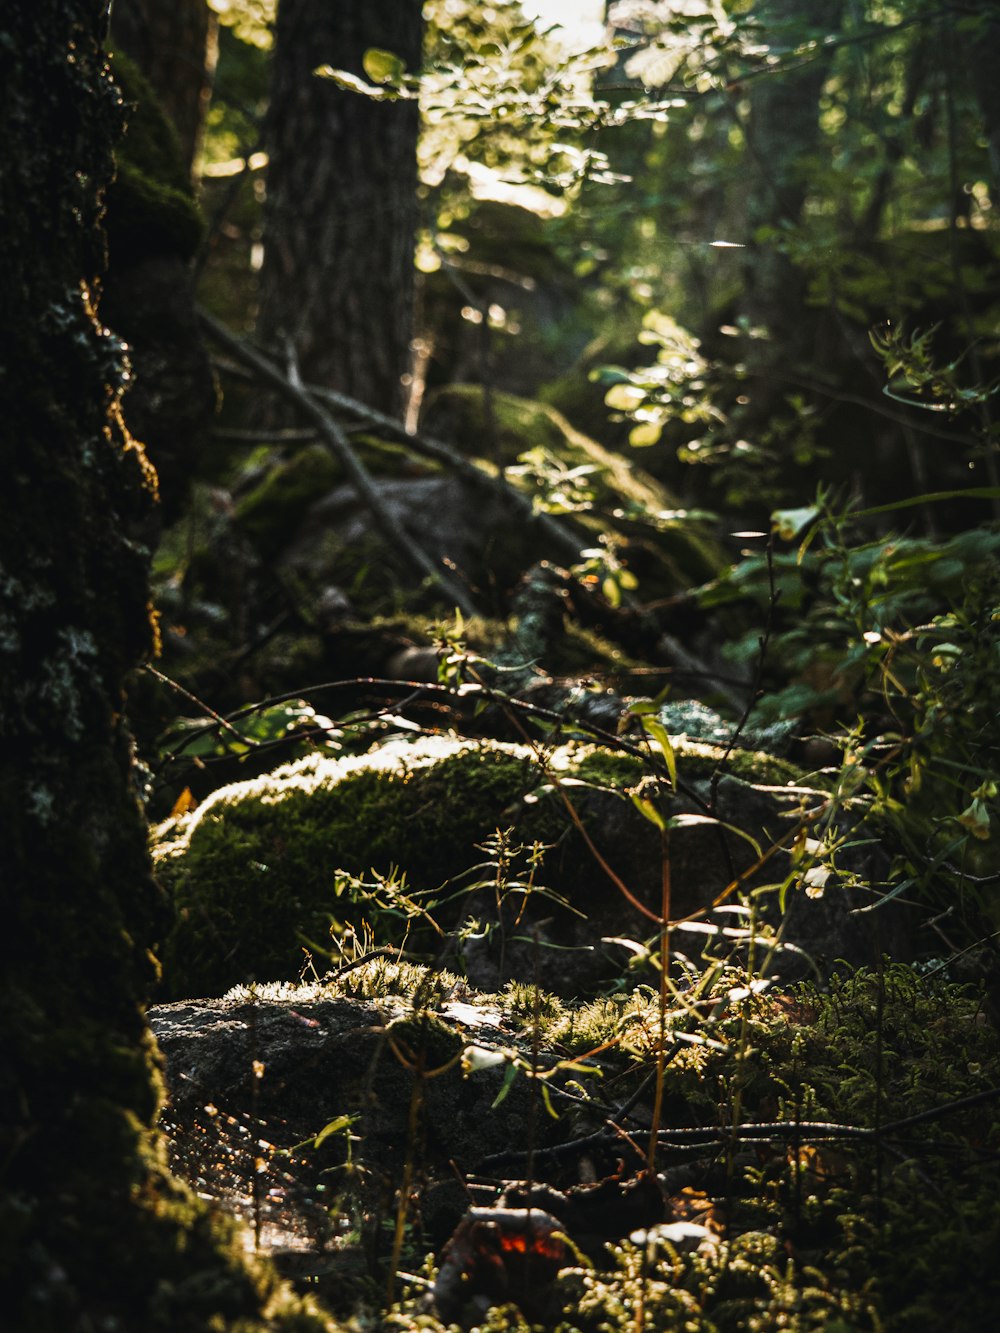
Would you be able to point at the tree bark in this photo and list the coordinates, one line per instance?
(783, 131)
(174, 44)
(341, 213)
(97, 1233)
(982, 53)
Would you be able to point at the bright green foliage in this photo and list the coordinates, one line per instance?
(565, 471)
(901, 632)
(878, 205)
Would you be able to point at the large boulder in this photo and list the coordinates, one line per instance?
(496, 858)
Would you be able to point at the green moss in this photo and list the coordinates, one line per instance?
(833, 1235)
(697, 762)
(254, 871)
(270, 514)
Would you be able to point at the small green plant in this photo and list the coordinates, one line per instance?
(903, 633)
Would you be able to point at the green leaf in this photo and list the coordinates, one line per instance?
(648, 810)
(341, 1123)
(475, 1058)
(932, 497)
(894, 892)
(624, 397)
(508, 1082)
(383, 66)
(787, 523)
(690, 820)
(645, 434)
(345, 79)
(655, 729)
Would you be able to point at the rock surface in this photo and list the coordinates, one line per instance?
(256, 1080)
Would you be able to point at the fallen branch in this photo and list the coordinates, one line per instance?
(800, 1131)
(309, 396)
(336, 441)
(427, 446)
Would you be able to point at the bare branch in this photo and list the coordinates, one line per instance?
(336, 441)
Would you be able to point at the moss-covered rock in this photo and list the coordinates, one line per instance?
(255, 870)
(828, 1156)
(272, 511)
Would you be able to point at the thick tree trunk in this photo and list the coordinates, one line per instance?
(96, 1233)
(337, 281)
(174, 44)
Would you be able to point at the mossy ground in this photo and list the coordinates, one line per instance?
(848, 1212)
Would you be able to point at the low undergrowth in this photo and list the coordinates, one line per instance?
(822, 1157)
(700, 1143)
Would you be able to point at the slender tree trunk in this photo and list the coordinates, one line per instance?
(982, 52)
(174, 43)
(96, 1232)
(337, 282)
(783, 131)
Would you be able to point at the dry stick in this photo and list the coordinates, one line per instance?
(570, 546)
(661, 1060)
(337, 443)
(762, 646)
(217, 719)
(430, 447)
(802, 1131)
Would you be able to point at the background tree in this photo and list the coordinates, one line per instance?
(846, 151)
(782, 132)
(97, 1233)
(340, 221)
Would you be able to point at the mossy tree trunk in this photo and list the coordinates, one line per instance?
(341, 213)
(94, 1232)
(174, 43)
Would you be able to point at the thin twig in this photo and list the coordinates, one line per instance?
(568, 544)
(330, 977)
(762, 646)
(429, 446)
(217, 720)
(802, 1131)
(336, 441)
